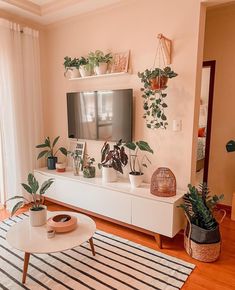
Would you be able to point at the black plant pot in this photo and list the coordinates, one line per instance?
(202, 236)
(51, 162)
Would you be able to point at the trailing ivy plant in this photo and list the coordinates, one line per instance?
(198, 206)
(155, 82)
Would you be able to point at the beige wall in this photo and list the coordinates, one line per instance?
(133, 25)
(220, 46)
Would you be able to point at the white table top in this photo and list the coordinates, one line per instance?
(26, 238)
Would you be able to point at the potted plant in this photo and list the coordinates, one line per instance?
(71, 66)
(50, 152)
(88, 168)
(202, 239)
(38, 211)
(136, 164)
(77, 160)
(155, 82)
(112, 161)
(85, 67)
(100, 61)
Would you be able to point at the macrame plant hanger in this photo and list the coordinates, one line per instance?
(155, 82)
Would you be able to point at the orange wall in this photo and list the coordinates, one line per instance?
(133, 25)
(220, 46)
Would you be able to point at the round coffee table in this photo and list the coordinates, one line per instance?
(28, 239)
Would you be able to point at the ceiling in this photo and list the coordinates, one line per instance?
(50, 11)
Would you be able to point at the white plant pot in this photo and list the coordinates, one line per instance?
(136, 180)
(73, 73)
(85, 70)
(101, 69)
(109, 174)
(38, 218)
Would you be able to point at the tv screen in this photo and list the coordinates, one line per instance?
(100, 115)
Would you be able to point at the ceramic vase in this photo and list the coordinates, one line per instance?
(38, 217)
(136, 179)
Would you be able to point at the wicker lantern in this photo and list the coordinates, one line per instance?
(163, 182)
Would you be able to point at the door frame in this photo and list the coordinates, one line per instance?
(212, 65)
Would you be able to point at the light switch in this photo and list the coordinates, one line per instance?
(177, 125)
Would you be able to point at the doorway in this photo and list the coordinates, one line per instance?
(205, 121)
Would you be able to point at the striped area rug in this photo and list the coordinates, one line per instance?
(118, 264)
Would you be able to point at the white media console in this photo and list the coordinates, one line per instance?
(117, 201)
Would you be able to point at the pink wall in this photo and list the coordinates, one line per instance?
(220, 46)
(133, 25)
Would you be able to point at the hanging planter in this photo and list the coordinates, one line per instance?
(155, 82)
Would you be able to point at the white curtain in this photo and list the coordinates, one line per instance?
(20, 105)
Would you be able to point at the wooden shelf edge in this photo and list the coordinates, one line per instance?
(99, 76)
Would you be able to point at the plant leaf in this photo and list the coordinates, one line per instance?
(41, 145)
(55, 141)
(144, 146)
(41, 154)
(27, 188)
(46, 185)
(130, 145)
(48, 142)
(16, 207)
(63, 151)
(33, 183)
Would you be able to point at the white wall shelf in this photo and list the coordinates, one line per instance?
(100, 76)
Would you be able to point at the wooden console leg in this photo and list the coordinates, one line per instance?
(26, 263)
(92, 246)
(158, 239)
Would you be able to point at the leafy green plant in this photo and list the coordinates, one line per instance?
(50, 151)
(69, 62)
(136, 163)
(32, 188)
(76, 154)
(116, 158)
(198, 206)
(89, 161)
(155, 82)
(98, 57)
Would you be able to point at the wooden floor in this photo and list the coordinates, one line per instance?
(217, 276)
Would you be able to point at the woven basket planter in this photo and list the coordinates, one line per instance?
(203, 245)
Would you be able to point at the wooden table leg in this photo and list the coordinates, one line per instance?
(92, 246)
(26, 263)
(158, 239)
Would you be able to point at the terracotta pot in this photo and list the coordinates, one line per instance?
(38, 217)
(159, 83)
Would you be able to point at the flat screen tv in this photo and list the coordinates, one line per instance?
(100, 115)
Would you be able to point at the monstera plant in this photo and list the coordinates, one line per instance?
(155, 83)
